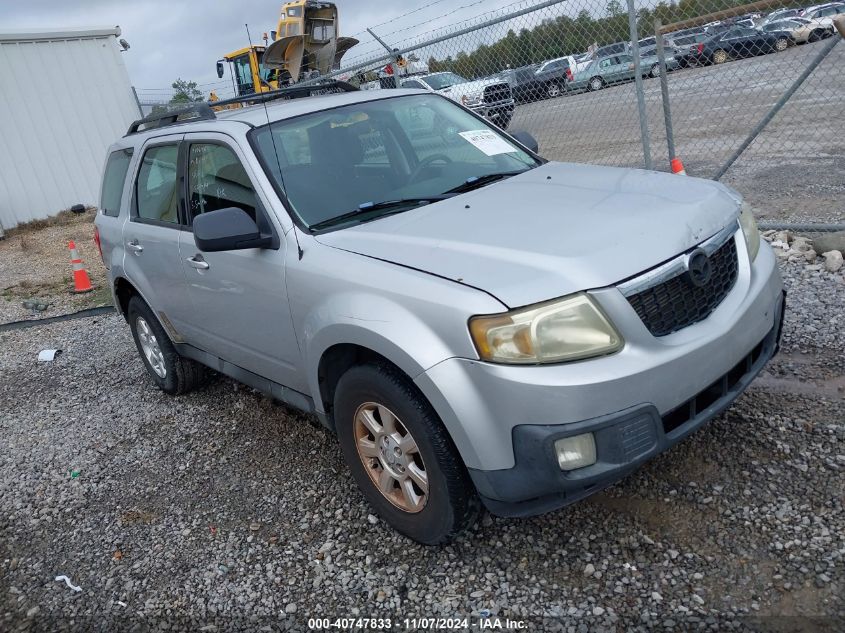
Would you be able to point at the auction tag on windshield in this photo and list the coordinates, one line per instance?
(488, 142)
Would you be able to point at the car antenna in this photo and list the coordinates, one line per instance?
(275, 151)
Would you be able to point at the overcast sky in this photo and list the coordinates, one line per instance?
(184, 38)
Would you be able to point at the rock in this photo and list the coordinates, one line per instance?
(290, 607)
(830, 242)
(783, 236)
(31, 613)
(589, 570)
(656, 596)
(598, 611)
(255, 527)
(833, 261)
(372, 518)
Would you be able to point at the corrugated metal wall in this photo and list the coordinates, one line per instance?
(64, 98)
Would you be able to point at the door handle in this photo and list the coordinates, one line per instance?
(135, 247)
(199, 264)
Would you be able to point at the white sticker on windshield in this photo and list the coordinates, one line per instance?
(488, 142)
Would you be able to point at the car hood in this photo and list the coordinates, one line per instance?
(470, 88)
(553, 230)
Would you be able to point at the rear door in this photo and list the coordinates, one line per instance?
(151, 236)
(113, 201)
(622, 68)
(239, 298)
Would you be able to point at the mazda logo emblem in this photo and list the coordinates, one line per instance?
(699, 268)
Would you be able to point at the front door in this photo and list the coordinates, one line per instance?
(239, 297)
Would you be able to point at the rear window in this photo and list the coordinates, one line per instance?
(113, 180)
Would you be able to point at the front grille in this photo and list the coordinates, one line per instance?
(676, 303)
(496, 93)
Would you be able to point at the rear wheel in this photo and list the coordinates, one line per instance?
(401, 456)
(553, 90)
(781, 44)
(171, 373)
(720, 56)
(655, 70)
(596, 83)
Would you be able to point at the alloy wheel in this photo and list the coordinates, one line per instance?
(150, 347)
(391, 457)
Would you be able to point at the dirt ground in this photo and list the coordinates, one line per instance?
(35, 265)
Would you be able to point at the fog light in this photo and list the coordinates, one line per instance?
(576, 452)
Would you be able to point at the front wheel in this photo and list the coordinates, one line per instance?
(655, 71)
(401, 456)
(781, 44)
(596, 83)
(720, 57)
(553, 90)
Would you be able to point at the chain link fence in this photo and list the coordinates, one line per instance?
(589, 84)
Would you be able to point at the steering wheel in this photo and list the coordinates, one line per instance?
(425, 162)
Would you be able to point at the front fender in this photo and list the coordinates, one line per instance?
(378, 324)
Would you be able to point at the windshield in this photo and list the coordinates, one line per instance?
(444, 80)
(410, 147)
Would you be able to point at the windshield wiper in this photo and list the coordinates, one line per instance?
(392, 206)
(475, 182)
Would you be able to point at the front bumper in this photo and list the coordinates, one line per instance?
(503, 419)
(624, 441)
(495, 111)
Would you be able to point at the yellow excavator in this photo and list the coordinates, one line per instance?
(306, 42)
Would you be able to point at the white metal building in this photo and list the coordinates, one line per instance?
(65, 96)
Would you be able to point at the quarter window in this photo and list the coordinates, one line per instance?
(156, 192)
(113, 180)
(218, 180)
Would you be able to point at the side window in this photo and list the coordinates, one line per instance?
(412, 84)
(113, 181)
(156, 193)
(605, 63)
(217, 180)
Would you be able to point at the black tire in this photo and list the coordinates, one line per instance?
(654, 73)
(452, 504)
(781, 44)
(596, 83)
(554, 90)
(682, 63)
(181, 374)
(505, 120)
(816, 35)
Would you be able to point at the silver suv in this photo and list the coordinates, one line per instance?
(477, 324)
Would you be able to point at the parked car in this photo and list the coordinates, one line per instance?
(825, 13)
(491, 98)
(650, 63)
(800, 30)
(779, 14)
(735, 43)
(603, 72)
(611, 49)
(521, 81)
(549, 78)
(474, 322)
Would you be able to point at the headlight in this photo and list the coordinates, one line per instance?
(469, 100)
(565, 329)
(749, 230)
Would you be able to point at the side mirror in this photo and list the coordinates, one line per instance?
(220, 69)
(229, 229)
(526, 139)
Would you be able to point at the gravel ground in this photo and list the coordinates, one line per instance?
(221, 510)
(36, 265)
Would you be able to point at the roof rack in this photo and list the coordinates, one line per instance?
(291, 92)
(195, 112)
(203, 110)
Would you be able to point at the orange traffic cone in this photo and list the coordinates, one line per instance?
(81, 282)
(678, 167)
